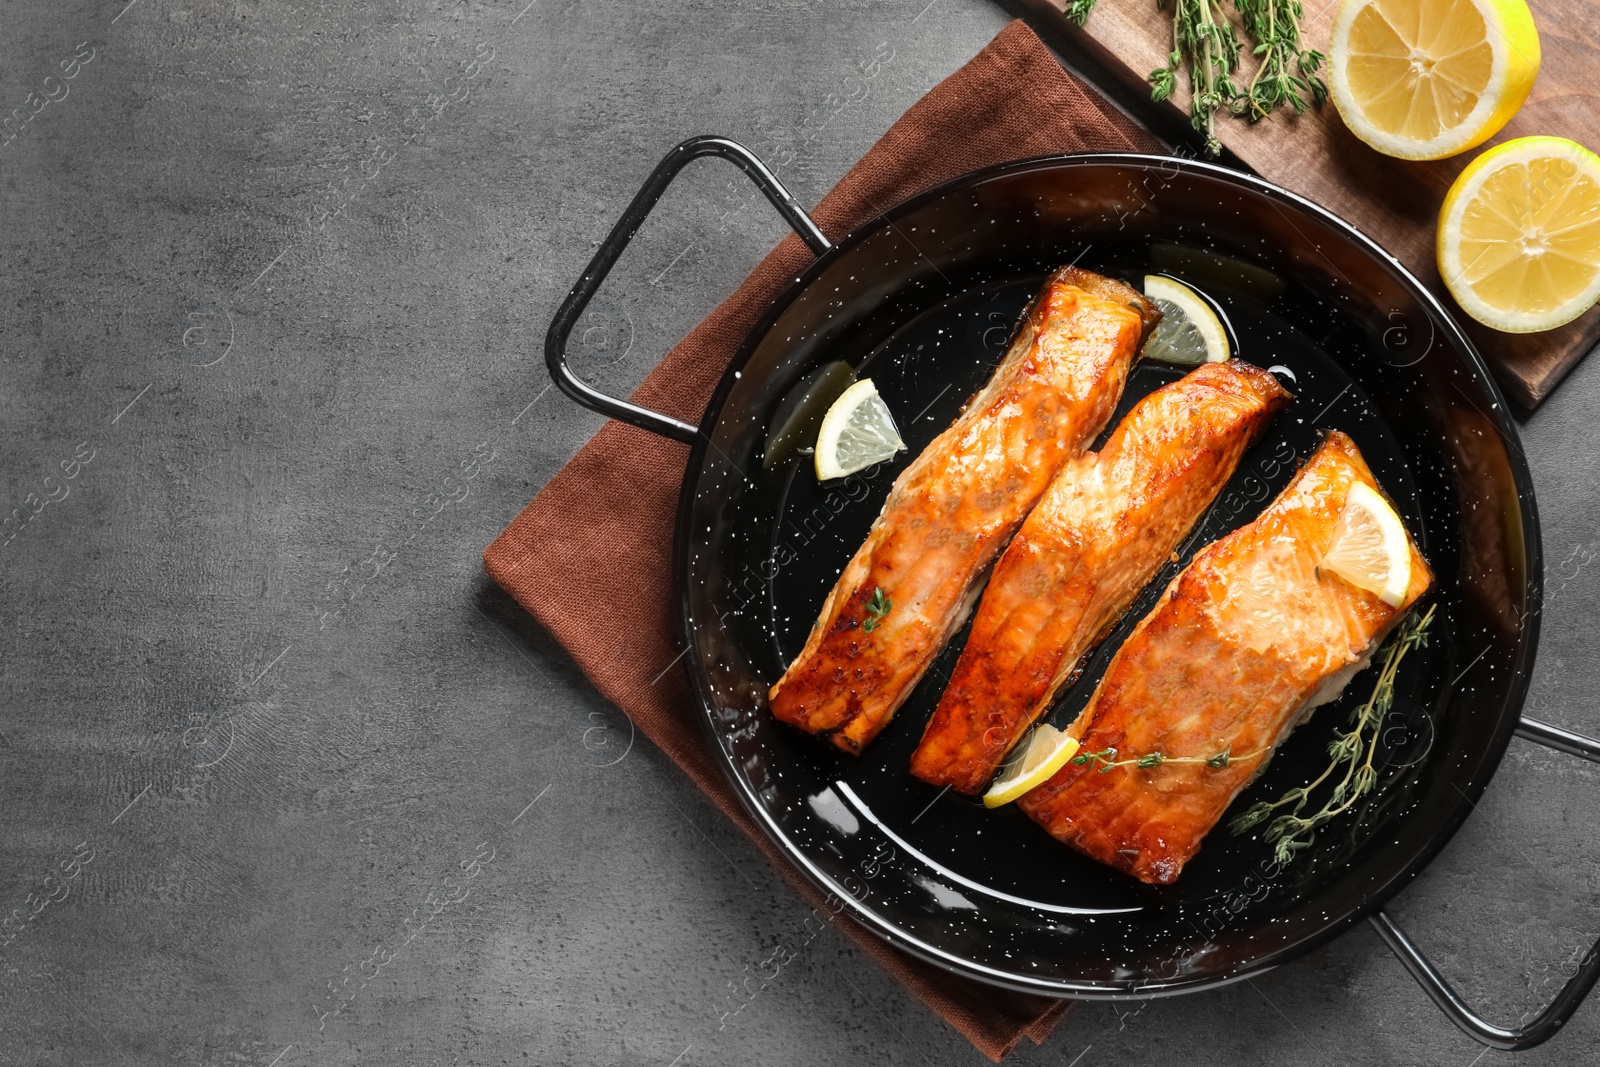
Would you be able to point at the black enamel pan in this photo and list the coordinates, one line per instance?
(922, 299)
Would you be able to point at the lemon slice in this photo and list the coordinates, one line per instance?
(857, 432)
(1370, 548)
(1190, 331)
(1044, 753)
(1519, 235)
(1425, 79)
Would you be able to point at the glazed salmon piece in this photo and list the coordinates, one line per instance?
(913, 582)
(1245, 643)
(1097, 537)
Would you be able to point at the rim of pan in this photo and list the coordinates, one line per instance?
(1345, 916)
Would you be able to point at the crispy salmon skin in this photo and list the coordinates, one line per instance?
(1097, 537)
(913, 581)
(1245, 642)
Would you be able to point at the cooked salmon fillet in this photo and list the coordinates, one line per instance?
(1098, 535)
(914, 580)
(1246, 641)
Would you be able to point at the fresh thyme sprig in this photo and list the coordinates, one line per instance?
(1204, 39)
(877, 608)
(1107, 758)
(1288, 70)
(1353, 749)
(1202, 36)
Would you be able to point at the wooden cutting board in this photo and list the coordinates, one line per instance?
(1393, 201)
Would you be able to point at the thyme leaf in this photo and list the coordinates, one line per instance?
(1078, 10)
(877, 607)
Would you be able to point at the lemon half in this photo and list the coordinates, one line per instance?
(1426, 79)
(1519, 235)
(1044, 753)
(1370, 548)
(1190, 331)
(857, 432)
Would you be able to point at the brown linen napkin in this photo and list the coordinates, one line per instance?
(598, 537)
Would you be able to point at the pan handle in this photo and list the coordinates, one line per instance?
(555, 343)
(1555, 1016)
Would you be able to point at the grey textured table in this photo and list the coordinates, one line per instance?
(270, 345)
